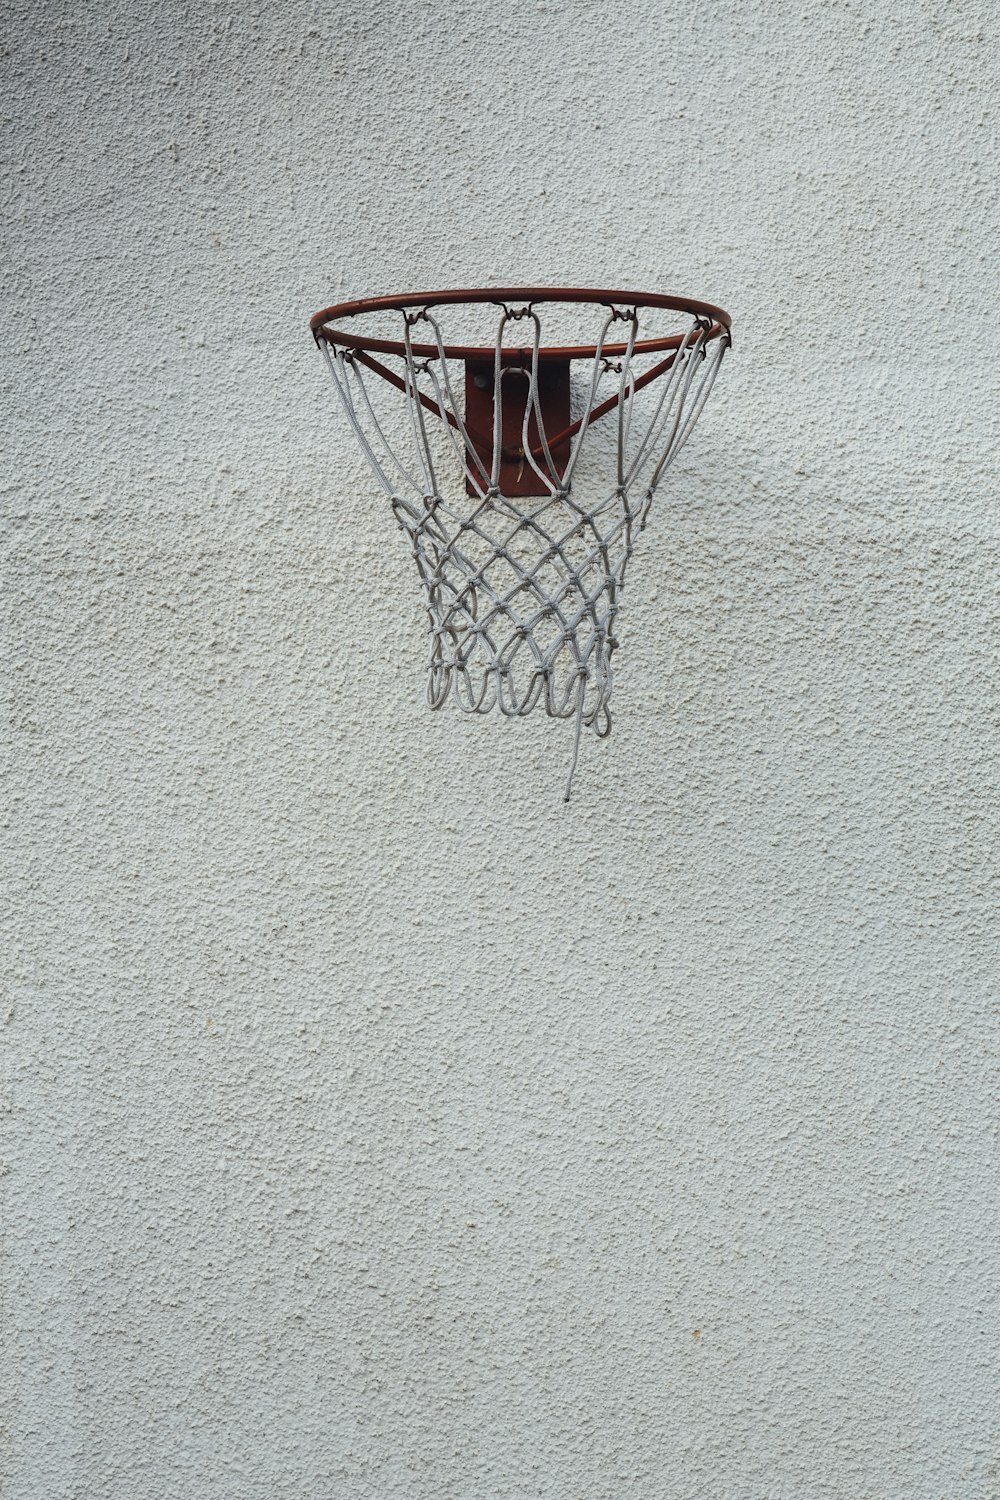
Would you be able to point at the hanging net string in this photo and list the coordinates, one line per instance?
(522, 590)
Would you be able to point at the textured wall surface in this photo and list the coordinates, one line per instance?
(376, 1126)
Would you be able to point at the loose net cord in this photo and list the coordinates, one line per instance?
(522, 594)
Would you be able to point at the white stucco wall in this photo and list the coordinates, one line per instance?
(645, 1147)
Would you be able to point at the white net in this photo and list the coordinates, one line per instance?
(523, 589)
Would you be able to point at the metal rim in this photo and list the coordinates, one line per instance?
(320, 322)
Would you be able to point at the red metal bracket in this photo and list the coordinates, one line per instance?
(517, 477)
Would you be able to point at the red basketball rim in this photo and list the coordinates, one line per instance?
(323, 324)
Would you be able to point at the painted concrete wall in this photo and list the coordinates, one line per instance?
(377, 1127)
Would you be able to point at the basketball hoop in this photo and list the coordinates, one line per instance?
(520, 502)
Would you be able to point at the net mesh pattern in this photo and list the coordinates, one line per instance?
(522, 592)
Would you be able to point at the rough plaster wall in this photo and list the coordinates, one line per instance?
(379, 1127)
